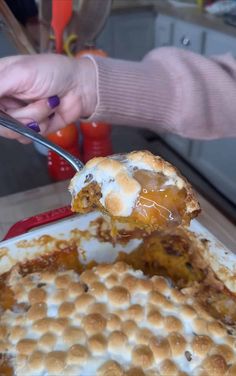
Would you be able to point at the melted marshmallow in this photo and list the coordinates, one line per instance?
(107, 176)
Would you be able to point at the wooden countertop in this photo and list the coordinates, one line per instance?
(26, 204)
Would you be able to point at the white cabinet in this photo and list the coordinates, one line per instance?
(218, 43)
(172, 32)
(188, 36)
(213, 159)
(133, 34)
(105, 38)
(164, 31)
(180, 144)
(216, 161)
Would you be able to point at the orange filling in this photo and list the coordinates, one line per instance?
(5, 368)
(168, 255)
(158, 206)
(87, 199)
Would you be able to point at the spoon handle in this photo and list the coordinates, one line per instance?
(14, 125)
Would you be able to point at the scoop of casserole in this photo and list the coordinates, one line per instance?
(137, 188)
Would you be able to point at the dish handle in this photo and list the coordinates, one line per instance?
(27, 224)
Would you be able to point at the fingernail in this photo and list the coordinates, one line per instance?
(51, 116)
(53, 101)
(34, 126)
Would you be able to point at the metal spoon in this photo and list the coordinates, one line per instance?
(14, 125)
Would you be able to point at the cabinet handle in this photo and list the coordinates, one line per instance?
(185, 41)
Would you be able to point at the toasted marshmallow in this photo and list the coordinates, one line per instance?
(116, 332)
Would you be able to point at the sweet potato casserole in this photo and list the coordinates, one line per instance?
(164, 307)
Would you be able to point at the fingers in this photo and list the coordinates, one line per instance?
(25, 83)
(36, 111)
(35, 115)
(55, 123)
(12, 135)
(7, 104)
(48, 126)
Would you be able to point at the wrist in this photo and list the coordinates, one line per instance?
(86, 86)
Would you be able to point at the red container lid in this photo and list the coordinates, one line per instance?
(65, 137)
(95, 130)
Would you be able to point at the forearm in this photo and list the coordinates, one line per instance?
(172, 90)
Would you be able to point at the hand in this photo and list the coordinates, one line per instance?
(31, 85)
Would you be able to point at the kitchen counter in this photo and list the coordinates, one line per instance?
(38, 200)
(190, 14)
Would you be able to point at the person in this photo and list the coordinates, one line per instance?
(169, 90)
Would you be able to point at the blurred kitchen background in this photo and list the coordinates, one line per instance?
(131, 29)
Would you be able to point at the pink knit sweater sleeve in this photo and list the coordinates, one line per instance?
(169, 90)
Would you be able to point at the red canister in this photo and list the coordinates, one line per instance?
(68, 139)
(96, 140)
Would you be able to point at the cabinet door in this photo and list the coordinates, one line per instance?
(180, 144)
(105, 38)
(216, 161)
(219, 43)
(133, 34)
(188, 36)
(128, 35)
(163, 31)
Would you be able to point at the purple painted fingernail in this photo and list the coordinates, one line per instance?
(34, 126)
(51, 116)
(53, 101)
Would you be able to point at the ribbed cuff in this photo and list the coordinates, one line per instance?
(135, 93)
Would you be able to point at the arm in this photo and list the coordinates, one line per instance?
(172, 90)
